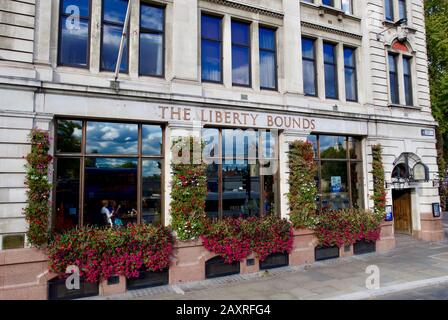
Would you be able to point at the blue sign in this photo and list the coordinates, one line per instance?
(389, 213)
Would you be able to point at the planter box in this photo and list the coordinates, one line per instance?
(148, 279)
(57, 290)
(325, 253)
(303, 248)
(275, 260)
(363, 247)
(216, 267)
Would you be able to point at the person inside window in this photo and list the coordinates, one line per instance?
(116, 211)
(107, 214)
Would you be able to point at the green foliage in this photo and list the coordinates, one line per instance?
(37, 210)
(188, 194)
(302, 186)
(379, 192)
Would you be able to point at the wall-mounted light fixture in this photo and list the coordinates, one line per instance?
(396, 24)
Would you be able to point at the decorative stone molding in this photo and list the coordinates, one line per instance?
(331, 30)
(249, 8)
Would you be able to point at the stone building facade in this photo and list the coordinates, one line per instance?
(345, 75)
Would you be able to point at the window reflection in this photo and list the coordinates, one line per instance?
(357, 184)
(211, 48)
(67, 194)
(240, 53)
(110, 191)
(332, 147)
(69, 136)
(151, 40)
(309, 67)
(268, 66)
(212, 200)
(152, 140)
(331, 82)
(111, 138)
(335, 193)
(239, 144)
(152, 191)
(74, 34)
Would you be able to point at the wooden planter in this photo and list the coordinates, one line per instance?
(324, 253)
(363, 247)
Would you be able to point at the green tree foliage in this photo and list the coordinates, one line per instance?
(436, 15)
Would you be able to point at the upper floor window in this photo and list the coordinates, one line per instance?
(309, 67)
(351, 91)
(113, 18)
(393, 79)
(268, 59)
(211, 48)
(391, 7)
(331, 76)
(347, 6)
(241, 53)
(407, 75)
(74, 33)
(328, 3)
(389, 10)
(402, 9)
(152, 26)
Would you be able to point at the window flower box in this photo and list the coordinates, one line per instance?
(363, 247)
(326, 252)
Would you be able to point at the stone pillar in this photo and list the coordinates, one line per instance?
(292, 48)
(431, 228)
(42, 39)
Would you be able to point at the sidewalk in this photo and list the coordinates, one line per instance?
(412, 264)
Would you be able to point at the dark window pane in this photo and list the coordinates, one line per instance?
(267, 39)
(333, 147)
(110, 188)
(309, 78)
(334, 184)
(308, 48)
(13, 241)
(240, 33)
(393, 79)
(408, 81)
(211, 27)
(389, 9)
(241, 190)
(329, 53)
(67, 193)
(152, 140)
(267, 70)
(392, 63)
(211, 61)
(111, 138)
(74, 42)
(110, 47)
(349, 57)
(151, 17)
(240, 65)
(151, 191)
(328, 2)
(350, 84)
(330, 81)
(270, 187)
(402, 9)
(115, 10)
(70, 7)
(313, 140)
(212, 200)
(354, 148)
(69, 136)
(151, 54)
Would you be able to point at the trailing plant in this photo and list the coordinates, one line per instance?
(101, 253)
(379, 192)
(235, 238)
(38, 206)
(302, 185)
(188, 192)
(345, 227)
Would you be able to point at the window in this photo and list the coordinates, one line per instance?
(331, 76)
(74, 33)
(389, 10)
(351, 91)
(12, 241)
(347, 6)
(268, 58)
(309, 67)
(242, 178)
(152, 28)
(393, 79)
(211, 48)
(241, 53)
(114, 14)
(107, 166)
(407, 73)
(402, 9)
(340, 171)
(328, 3)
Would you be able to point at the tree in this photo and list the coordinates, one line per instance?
(436, 15)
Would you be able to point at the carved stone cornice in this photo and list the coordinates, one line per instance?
(331, 30)
(249, 8)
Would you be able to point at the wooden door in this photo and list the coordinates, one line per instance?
(402, 211)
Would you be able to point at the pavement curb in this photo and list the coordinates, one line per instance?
(363, 295)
